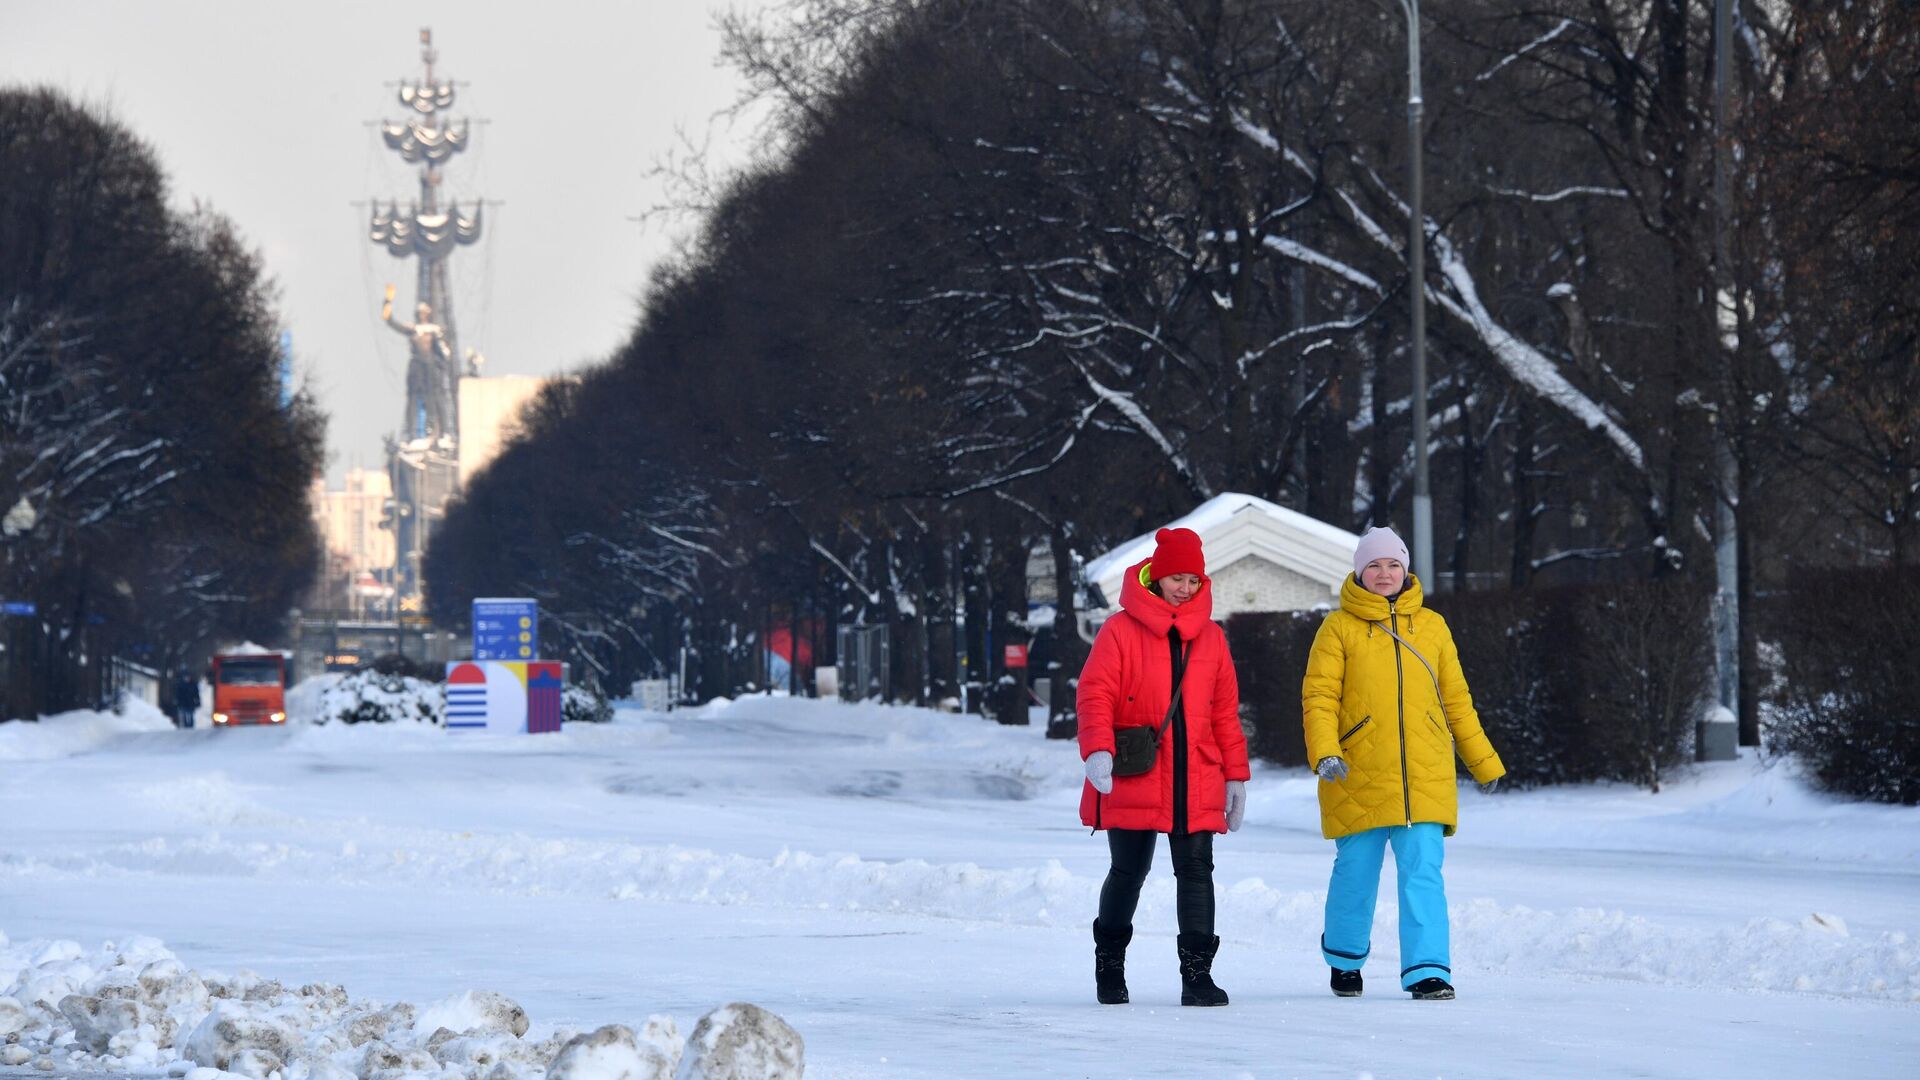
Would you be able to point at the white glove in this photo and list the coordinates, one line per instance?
(1331, 769)
(1100, 771)
(1236, 803)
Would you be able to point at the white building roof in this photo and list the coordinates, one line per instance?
(1234, 527)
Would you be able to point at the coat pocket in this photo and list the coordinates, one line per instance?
(1209, 775)
(1443, 739)
(1353, 732)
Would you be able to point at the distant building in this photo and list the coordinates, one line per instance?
(1260, 555)
(358, 574)
(489, 416)
(349, 519)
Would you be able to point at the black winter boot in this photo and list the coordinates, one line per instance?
(1434, 989)
(1110, 963)
(1346, 983)
(1196, 970)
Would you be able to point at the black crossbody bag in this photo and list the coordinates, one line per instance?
(1134, 747)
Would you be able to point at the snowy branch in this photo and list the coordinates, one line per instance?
(1563, 193)
(1536, 43)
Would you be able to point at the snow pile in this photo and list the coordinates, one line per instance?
(613, 1052)
(743, 1040)
(579, 705)
(304, 697)
(370, 697)
(481, 1010)
(69, 733)
(1816, 954)
(252, 648)
(134, 1006)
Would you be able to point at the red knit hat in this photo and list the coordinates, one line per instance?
(1177, 551)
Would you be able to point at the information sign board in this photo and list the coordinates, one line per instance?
(506, 628)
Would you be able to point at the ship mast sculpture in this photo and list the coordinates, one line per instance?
(424, 460)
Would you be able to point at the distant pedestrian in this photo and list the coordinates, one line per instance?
(186, 698)
(1194, 784)
(1386, 709)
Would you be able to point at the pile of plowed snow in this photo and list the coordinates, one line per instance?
(134, 1006)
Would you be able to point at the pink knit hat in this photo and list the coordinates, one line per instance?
(1380, 543)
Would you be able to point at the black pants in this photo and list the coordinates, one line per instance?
(1132, 851)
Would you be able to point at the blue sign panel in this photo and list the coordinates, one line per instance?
(19, 607)
(506, 629)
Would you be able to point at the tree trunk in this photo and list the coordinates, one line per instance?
(1330, 456)
(1747, 634)
(976, 626)
(794, 680)
(1471, 454)
(1382, 453)
(1520, 569)
(1008, 604)
(1063, 671)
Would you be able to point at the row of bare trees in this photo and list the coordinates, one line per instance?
(153, 481)
(1046, 273)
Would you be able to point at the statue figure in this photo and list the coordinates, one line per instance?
(428, 370)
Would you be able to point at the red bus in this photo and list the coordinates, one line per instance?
(249, 688)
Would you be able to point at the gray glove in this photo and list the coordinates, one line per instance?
(1236, 804)
(1331, 768)
(1490, 786)
(1100, 771)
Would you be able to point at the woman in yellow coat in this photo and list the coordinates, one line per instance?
(1386, 709)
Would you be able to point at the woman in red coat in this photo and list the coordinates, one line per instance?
(1164, 633)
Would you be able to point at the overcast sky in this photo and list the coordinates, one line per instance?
(263, 110)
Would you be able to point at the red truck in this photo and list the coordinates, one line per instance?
(249, 688)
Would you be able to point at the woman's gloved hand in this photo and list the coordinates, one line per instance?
(1236, 804)
(1331, 769)
(1100, 771)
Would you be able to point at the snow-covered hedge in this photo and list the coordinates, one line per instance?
(370, 697)
(1843, 695)
(375, 698)
(581, 704)
(133, 1006)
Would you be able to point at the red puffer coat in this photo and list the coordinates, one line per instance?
(1128, 681)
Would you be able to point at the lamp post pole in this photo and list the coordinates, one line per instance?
(1417, 286)
(1717, 739)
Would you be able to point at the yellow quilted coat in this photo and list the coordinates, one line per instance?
(1370, 701)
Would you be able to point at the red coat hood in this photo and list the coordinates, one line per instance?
(1156, 614)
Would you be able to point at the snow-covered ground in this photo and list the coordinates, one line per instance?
(911, 891)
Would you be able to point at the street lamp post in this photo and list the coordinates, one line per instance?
(1716, 739)
(1417, 286)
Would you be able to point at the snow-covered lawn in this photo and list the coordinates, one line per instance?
(911, 891)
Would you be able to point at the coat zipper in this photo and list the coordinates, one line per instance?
(1400, 695)
(1363, 723)
(1177, 658)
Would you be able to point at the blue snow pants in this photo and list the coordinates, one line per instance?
(1417, 851)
